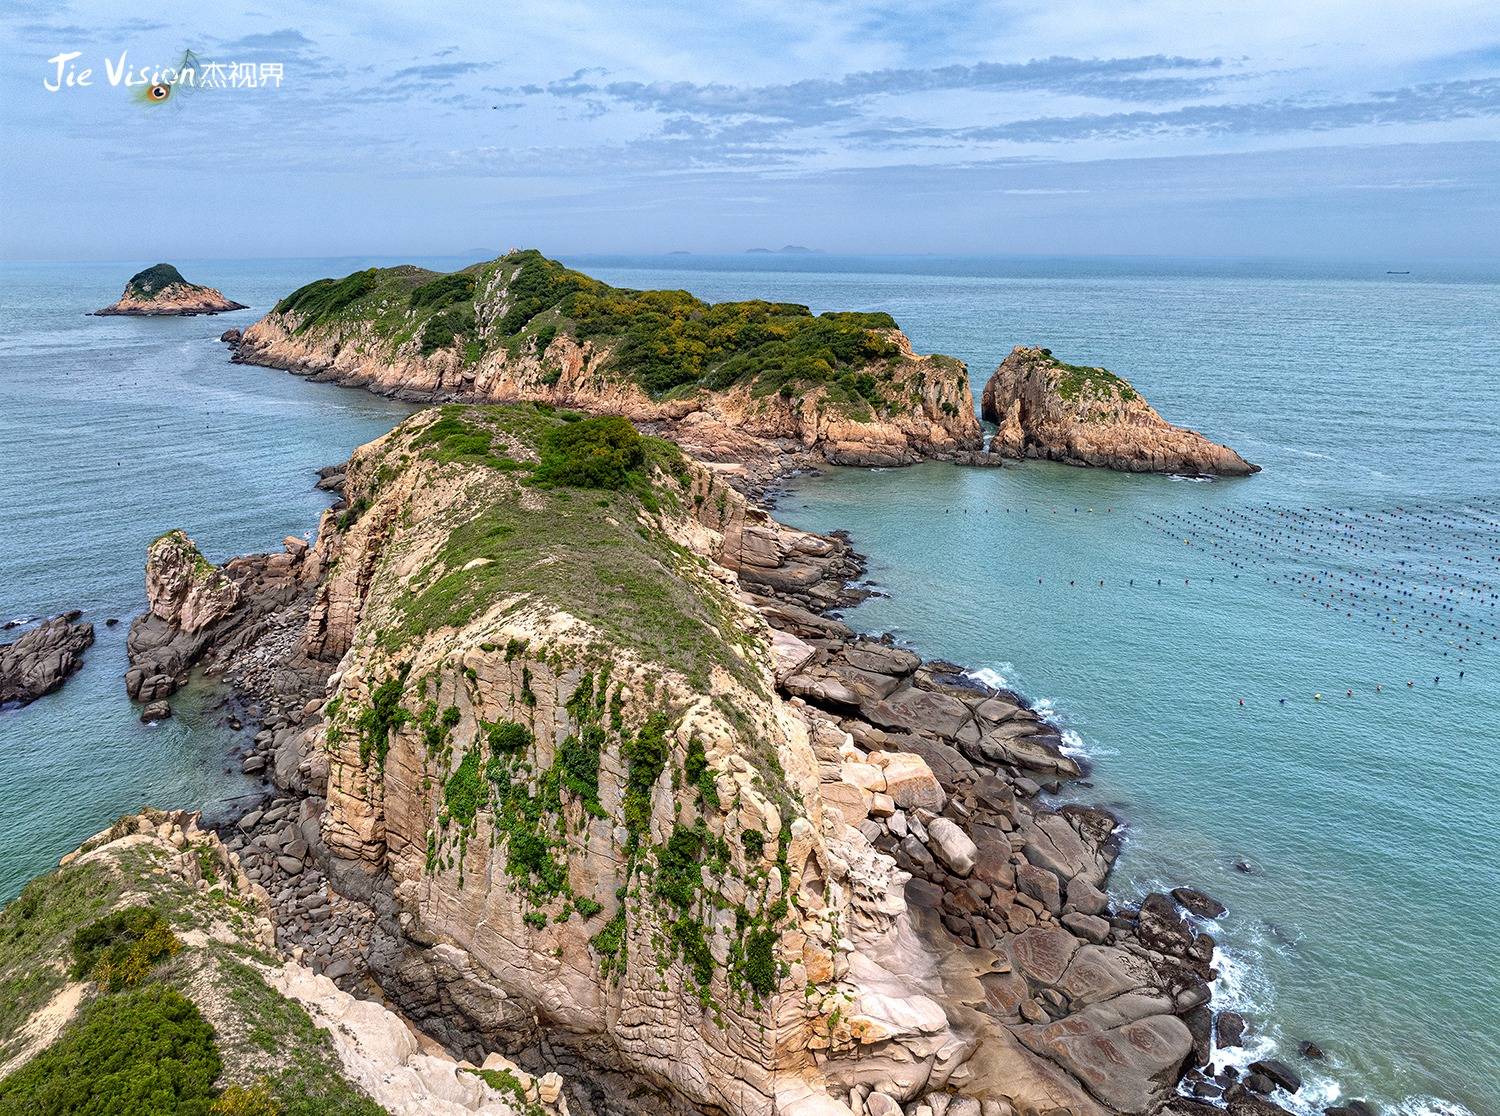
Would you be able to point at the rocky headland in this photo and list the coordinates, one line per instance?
(161, 291)
(567, 759)
(1046, 408)
(42, 659)
(837, 387)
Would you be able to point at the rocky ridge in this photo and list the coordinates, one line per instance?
(161, 291)
(843, 388)
(978, 959)
(1047, 409)
(42, 659)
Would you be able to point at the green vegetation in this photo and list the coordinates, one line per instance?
(384, 714)
(600, 452)
(451, 438)
(38, 926)
(292, 1056)
(324, 299)
(154, 280)
(120, 949)
(508, 1084)
(465, 793)
(634, 585)
(147, 1050)
(1077, 381)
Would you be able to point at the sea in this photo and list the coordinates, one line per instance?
(1287, 686)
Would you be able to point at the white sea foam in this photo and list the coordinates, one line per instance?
(994, 679)
(1429, 1106)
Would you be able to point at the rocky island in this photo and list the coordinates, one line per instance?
(1046, 408)
(161, 291)
(728, 381)
(568, 763)
(42, 659)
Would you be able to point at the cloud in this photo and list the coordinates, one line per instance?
(820, 100)
(1417, 104)
(287, 39)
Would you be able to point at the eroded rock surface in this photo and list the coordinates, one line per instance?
(42, 659)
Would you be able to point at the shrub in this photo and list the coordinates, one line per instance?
(598, 452)
(464, 793)
(324, 298)
(385, 713)
(142, 1051)
(120, 949)
(443, 291)
(241, 1100)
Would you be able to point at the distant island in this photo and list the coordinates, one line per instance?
(787, 249)
(161, 291)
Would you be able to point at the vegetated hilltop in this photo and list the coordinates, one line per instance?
(523, 327)
(1049, 409)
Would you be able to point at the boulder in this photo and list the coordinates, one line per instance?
(156, 711)
(951, 846)
(1199, 903)
(1279, 1072)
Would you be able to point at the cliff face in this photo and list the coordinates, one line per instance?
(1089, 416)
(610, 807)
(522, 327)
(161, 291)
(555, 732)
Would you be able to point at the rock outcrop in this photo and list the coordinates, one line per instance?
(1047, 409)
(42, 659)
(161, 291)
(195, 607)
(846, 388)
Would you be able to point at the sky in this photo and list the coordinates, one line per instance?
(1362, 129)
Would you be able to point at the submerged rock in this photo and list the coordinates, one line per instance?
(43, 659)
(161, 291)
(1089, 416)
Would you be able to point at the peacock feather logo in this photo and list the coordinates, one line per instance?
(172, 83)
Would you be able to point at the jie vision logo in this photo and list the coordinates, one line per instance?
(157, 84)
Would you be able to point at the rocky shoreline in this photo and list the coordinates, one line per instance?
(1113, 998)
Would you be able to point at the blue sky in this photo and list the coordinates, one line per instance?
(1363, 129)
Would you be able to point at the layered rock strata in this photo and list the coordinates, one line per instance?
(1047, 409)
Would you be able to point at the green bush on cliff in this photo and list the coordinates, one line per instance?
(384, 714)
(464, 794)
(147, 1050)
(120, 949)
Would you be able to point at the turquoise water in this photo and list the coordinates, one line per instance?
(1366, 924)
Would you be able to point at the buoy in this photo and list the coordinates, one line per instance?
(1317, 697)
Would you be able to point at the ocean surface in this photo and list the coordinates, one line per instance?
(1346, 812)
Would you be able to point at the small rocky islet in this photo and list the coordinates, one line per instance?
(160, 291)
(566, 757)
